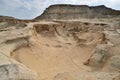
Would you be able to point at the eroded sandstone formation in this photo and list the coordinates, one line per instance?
(68, 12)
(79, 49)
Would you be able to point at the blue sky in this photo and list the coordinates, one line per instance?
(28, 9)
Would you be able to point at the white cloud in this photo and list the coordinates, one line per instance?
(32, 8)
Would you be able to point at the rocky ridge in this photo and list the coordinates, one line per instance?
(68, 12)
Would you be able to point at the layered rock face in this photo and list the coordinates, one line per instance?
(69, 12)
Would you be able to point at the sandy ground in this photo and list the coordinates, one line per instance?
(54, 57)
(49, 56)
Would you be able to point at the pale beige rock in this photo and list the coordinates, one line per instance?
(9, 69)
(16, 72)
(62, 48)
(88, 76)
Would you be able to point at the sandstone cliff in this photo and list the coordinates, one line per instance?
(77, 12)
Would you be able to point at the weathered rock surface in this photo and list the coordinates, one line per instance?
(81, 49)
(16, 72)
(99, 56)
(88, 76)
(68, 12)
(9, 68)
(114, 63)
